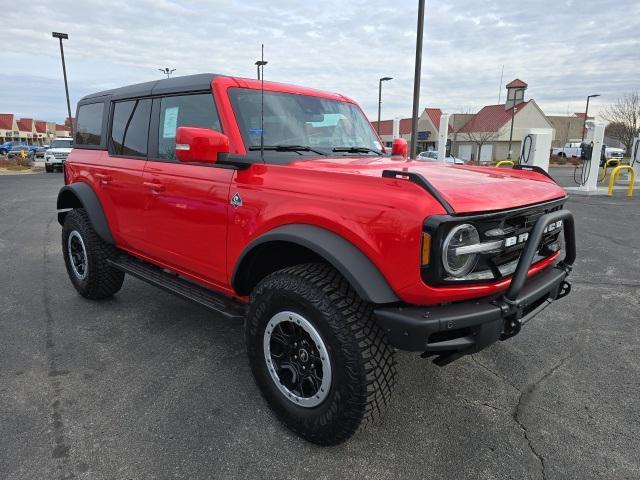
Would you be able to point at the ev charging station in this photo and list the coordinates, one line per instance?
(443, 135)
(536, 147)
(396, 127)
(634, 160)
(591, 166)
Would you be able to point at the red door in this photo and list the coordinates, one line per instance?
(185, 208)
(185, 218)
(116, 174)
(118, 183)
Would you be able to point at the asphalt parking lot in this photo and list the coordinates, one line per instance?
(148, 386)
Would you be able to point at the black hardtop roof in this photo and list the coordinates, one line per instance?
(187, 83)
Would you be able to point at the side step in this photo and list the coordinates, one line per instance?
(171, 282)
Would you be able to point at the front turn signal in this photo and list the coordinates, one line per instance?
(426, 248)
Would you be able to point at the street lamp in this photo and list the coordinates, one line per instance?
(416, 79)
(167, 71)
(513, 114)
(64, 36)
(383, 79)
(586, 111)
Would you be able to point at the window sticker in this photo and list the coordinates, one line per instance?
(170, 122)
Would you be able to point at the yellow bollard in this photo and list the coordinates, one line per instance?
(606, 166)
(614, 174)
(504, 162)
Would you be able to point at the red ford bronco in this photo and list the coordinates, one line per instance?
(279, 206)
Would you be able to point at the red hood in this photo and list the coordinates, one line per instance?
(467, 188)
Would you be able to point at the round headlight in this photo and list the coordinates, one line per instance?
(460, 236)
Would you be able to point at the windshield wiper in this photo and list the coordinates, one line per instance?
(287, 148)
(356, 150)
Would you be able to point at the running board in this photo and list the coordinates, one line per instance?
(171, 282)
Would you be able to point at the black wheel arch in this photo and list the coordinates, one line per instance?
(81, 195)
(301, 243)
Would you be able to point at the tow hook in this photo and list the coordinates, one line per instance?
(564, 290)
(512, 326)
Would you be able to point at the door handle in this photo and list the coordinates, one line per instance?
(103, 178)
(155, 187)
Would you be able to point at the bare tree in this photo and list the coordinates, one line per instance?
(481, 138)
(624, 118)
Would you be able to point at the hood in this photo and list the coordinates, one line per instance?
(468, 189)
(59, 150)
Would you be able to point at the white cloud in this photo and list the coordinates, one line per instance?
(564, 51)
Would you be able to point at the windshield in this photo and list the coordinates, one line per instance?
(61, 144)
(302, 120)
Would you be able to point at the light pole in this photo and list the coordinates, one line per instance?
(586, 111)
(167, 71)
(416, 80)
(64, 36)
(383, 79)
(513, 114)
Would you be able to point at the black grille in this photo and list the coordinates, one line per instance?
(490, 266)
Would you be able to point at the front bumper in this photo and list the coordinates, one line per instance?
(457, 329)
(57, 162)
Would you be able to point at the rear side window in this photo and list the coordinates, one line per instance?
(130, 128)
(184, 111)
(89, 124)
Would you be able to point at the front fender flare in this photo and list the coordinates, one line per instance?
(345, 257)
(81, 195)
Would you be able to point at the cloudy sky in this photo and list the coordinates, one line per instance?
(564, 50)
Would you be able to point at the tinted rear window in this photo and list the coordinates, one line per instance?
(130, 128)
(89, 124)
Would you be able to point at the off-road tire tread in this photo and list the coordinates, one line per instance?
(103, 280)
(370, 360)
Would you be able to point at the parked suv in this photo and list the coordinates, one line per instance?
(57, 153)
(280, 207)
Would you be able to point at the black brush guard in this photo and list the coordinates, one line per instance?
(451, 331)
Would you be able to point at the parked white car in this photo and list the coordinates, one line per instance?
(57, 153)
(613, 152)
(432, 156)
(570, 149)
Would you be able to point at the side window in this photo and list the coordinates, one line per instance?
(89, 124)
(184, 111)
(130, 128)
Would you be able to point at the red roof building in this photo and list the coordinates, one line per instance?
(386, 127)
(517, 83)
(25, 125)
(28, 130)
(490, 118)
(6, 121)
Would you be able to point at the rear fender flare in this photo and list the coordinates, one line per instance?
(81, 195)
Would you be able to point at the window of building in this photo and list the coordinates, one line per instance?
(89, 124)
(184, 111)
(130, 128)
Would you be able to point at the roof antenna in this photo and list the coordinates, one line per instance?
(261, 65)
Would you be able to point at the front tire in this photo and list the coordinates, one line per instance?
(48, 168)
(86, 255)
(343, 372)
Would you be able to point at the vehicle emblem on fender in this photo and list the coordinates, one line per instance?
(236, 200)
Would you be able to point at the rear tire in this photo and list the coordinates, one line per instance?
(353, 349)
(85, 256)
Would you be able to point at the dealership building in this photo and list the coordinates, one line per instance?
(30, 131)
(484, 135)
